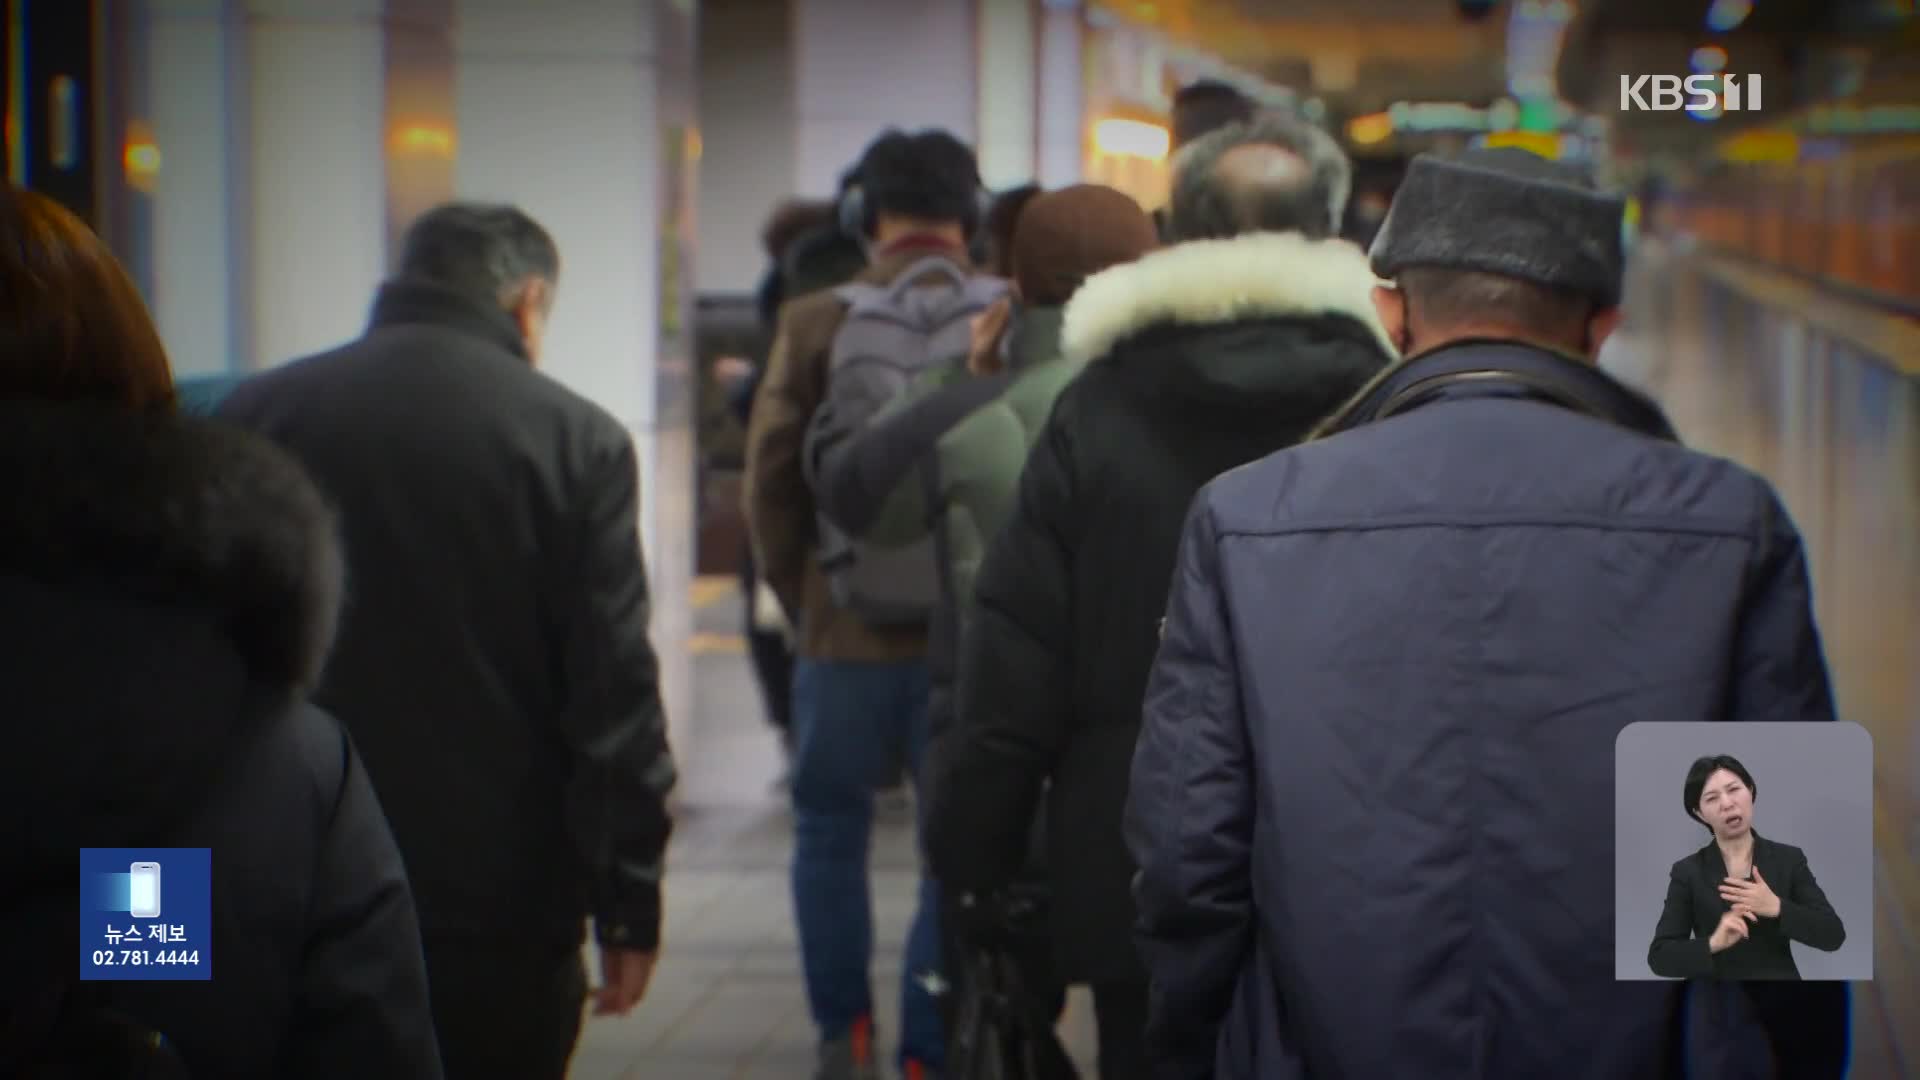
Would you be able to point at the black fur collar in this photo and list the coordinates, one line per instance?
(169, 510)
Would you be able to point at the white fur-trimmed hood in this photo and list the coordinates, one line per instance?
(1206, 282)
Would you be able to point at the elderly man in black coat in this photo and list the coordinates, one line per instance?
(493, 664)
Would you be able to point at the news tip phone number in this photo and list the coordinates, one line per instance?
(142, 957)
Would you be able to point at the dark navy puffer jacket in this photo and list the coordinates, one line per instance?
(1372, 800)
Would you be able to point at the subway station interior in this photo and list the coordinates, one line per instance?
(254, 164)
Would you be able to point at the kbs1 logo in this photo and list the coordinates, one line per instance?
(1695, 93)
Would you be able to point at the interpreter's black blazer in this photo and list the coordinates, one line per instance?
(1694, 908)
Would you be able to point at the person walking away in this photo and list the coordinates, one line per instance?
(1197, 358)
(168, 595)
(1494, 559)
(966, 439)
(860, 684)
(1200, 108)
(769, 643)
(828, 253)
(494, 665)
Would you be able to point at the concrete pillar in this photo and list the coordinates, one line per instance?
(193, 105)
(1008, 91)
(746, 133)
(1061, 110)
(674, 505)
(560, 113)
(918, 55)
(291, 140)
(317, 232)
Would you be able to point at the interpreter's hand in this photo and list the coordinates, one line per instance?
(983, 358)
(1755, 894)
(1731, 931)
(624, 975)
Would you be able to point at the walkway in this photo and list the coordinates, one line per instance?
(727, 1001)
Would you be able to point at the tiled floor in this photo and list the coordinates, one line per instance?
(726, 1000)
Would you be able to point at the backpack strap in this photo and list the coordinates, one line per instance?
(866, 294)
(971, 291)
(861, 294)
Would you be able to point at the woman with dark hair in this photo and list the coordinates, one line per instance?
(168, 593)
(1734, 905)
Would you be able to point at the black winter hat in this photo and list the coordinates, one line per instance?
(1510, 212)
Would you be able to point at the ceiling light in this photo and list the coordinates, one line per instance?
(1724, 15)
(1711, 59)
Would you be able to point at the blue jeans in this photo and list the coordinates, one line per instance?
(854, 725)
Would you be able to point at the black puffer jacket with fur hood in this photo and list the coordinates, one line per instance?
(168, 594)
(1199, 358)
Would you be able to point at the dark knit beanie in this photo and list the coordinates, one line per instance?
(1064, 237)
(1509, 212)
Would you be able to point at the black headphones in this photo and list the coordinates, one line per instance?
(856, 217)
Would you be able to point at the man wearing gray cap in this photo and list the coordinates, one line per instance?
(1371, 803)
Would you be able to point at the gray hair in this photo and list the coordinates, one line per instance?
(1444, 298)
(483, 251)
(1213, 200)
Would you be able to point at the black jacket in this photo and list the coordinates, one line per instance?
(493, 662)
(1694, 907)
(1202, 357)
(168, 590)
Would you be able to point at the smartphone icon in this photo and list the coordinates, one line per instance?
(145, 893)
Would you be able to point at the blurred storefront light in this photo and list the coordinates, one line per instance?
(1761, 146)
(1536, 31)
(1371, 128)
(140, 158)
(429, 139)
(1560, 11)
(1540, 114)
(1545, 144)
(1863, 120)
(1436, 116)
(1120, 137)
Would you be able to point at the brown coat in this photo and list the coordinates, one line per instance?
(779, 505)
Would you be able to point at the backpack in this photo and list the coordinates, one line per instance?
(891, 335)
(71, 1033)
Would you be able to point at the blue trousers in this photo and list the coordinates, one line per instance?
(854, 725)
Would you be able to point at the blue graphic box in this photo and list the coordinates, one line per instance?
(146, 914)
